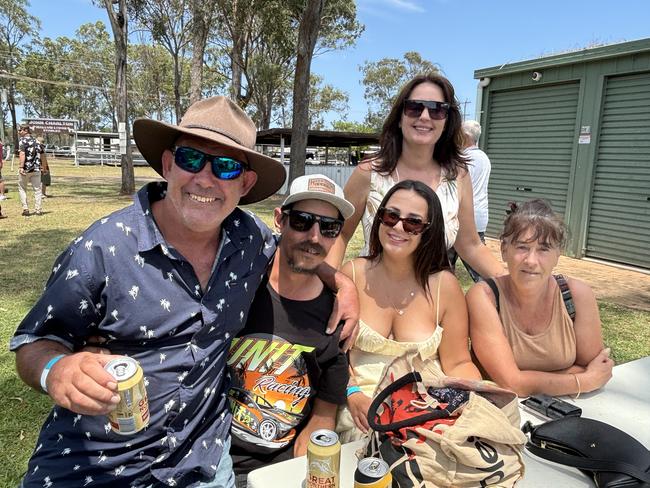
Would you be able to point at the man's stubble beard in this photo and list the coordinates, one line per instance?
(295, 267)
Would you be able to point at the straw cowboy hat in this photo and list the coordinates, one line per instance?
(218, 120)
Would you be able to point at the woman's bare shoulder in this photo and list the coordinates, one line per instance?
(481, 291)
(360, 175)
(449, 285)
(368, 165)
(359, 264)
(579, 289)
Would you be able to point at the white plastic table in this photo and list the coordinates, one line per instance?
(623, 403)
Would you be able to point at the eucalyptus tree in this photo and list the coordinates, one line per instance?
(240, 26)
(383, 79)
(17, 25)
(268, 72)
(203, 16)
(323, 26)
(323, 98)
(258, 39)
(151, 82)
(92, 60)
(169, 22)
(61, 79)
(118, 16)
(43, 59)
(308, 30)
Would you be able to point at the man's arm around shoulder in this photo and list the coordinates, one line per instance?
(346, 306)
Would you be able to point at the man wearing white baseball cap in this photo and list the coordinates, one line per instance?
(304, 384)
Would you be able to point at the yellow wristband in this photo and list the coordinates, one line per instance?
(575, 376)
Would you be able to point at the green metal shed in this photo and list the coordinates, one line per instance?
(574, 128)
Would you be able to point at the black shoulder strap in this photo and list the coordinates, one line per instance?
(566, 296)
(493, 286)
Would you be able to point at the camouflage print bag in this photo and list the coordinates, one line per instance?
(443, 431)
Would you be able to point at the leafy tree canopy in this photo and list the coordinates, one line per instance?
(383, 79)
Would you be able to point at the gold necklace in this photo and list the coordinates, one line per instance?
(407, 299)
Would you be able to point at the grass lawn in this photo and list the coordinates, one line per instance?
(29, 245)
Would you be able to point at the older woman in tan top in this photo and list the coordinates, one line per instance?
(521, 330)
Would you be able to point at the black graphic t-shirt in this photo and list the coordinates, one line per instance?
(279, 363)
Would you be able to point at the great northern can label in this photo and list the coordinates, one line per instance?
(132, 413)
(372, 473)
(323, 459)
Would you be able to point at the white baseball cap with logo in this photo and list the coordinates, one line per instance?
(319, 187)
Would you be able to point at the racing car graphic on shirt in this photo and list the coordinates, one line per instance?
(256, 420)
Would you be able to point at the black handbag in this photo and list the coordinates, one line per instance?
(613, 458)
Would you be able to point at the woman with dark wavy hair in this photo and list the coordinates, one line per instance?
(421, 140)
(407, 296)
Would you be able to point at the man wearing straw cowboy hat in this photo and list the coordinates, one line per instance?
(167, 281)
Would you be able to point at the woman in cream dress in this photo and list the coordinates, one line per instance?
(407, 298)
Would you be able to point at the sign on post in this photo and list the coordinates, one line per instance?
(55, 126)
(121, 130)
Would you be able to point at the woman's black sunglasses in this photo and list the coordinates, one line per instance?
(303, 221)
(411, 225)
(437, 110)
(193, 160)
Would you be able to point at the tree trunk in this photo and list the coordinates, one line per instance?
(177, 88)
(199, 40)
(307, 36)
(120, 34)
(12, 108)
(236, 67)
(266, 111)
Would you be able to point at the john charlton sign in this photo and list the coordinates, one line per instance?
(53, 125)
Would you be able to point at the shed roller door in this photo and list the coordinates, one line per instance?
(530, 140)
(619, 220)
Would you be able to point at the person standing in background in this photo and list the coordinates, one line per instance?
(29, 170)
(479, 170)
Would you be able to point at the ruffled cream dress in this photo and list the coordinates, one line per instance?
(371, 355)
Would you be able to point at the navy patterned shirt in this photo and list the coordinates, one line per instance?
(32, 150)
(122, 281)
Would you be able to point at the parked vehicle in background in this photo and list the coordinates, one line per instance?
(63, 151)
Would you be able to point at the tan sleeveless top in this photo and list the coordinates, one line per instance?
(550, 350)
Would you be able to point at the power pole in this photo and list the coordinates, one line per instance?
(465, 103)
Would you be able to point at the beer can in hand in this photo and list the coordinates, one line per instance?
(323, 460)
(132, 413)
(372, 473)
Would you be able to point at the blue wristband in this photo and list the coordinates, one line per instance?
(46, 370)
(353, 389)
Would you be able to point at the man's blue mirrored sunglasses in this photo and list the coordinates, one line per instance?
(193, 160)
